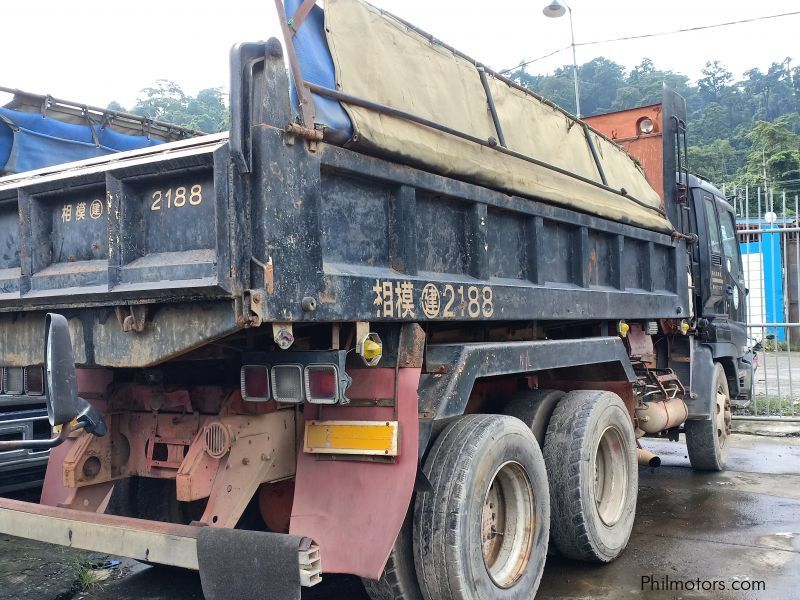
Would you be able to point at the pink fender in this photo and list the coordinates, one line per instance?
(352, 509)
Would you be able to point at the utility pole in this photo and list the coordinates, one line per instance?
(557, 8)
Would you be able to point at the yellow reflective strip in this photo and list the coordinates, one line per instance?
(352, 437)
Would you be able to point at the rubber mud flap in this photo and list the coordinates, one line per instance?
(248, 565)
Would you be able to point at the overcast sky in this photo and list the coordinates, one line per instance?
(96, 51)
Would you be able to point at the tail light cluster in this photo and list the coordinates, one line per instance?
(294, 383)
(17, 381)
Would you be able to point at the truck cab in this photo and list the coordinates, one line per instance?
(719, 290)
(656, 136)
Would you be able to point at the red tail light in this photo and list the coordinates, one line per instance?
(322, 384)
(34, 381)
(255, 383)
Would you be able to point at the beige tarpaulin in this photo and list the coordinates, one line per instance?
(380, 59)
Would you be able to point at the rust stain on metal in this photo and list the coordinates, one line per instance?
(328, 295)
(592, 260)
(269, 276)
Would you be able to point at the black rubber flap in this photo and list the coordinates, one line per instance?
(248, 565)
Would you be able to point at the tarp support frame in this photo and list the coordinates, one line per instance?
(493, 109)
(588, 133)
(300, 15)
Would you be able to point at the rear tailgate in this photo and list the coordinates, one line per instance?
(138, 226)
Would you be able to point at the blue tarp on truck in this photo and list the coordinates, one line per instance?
(39, 131)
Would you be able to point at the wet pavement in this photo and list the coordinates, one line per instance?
(739, 529)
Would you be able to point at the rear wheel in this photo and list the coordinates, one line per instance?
(534, 408)
(590, 453)
(482, 532)
(707, 441)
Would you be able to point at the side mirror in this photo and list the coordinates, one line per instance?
(64, 407)
(63, 403)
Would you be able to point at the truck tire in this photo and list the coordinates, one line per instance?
(534, 408)
(590, 453)
(482, 532)
(707, 441)
(399, 578)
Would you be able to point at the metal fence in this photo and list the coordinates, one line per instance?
(768, 235)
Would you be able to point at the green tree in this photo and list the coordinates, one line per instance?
(600, 80)
(712, 123)
(716, 161)
(714, 86)
(774, 157)
(644, 85)
(166, 101)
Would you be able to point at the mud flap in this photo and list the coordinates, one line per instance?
(252, 565)
(702, 398)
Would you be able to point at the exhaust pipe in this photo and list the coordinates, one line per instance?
(647, 458)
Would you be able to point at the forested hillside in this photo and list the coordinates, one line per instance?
(741, 129)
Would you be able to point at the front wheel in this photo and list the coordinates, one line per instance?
(482, 532)
(707, 441)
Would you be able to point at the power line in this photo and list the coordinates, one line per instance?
(533, 60)
(687, 29)
(658, 34)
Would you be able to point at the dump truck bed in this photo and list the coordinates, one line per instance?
(157, 252)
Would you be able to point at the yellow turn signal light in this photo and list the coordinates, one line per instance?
(684, 327)
(623, 328)
(370, 349)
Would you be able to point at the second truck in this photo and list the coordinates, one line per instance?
(406, 321)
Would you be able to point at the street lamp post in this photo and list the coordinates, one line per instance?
(554, 10)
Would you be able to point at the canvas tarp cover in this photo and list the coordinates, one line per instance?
(378, 58)
(29, 141)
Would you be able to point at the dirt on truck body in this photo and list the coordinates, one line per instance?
(313, 346)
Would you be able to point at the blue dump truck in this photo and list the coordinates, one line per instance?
(407, 321)
(39, 131)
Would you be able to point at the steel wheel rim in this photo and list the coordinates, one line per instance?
(723, 417)
(610, 476)
(507, 524)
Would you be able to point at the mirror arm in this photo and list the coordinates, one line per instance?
(41, 444)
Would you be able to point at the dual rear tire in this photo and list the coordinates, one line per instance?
(590, 452)
(482, 532)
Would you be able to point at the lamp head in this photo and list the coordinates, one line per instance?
(554, 10)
